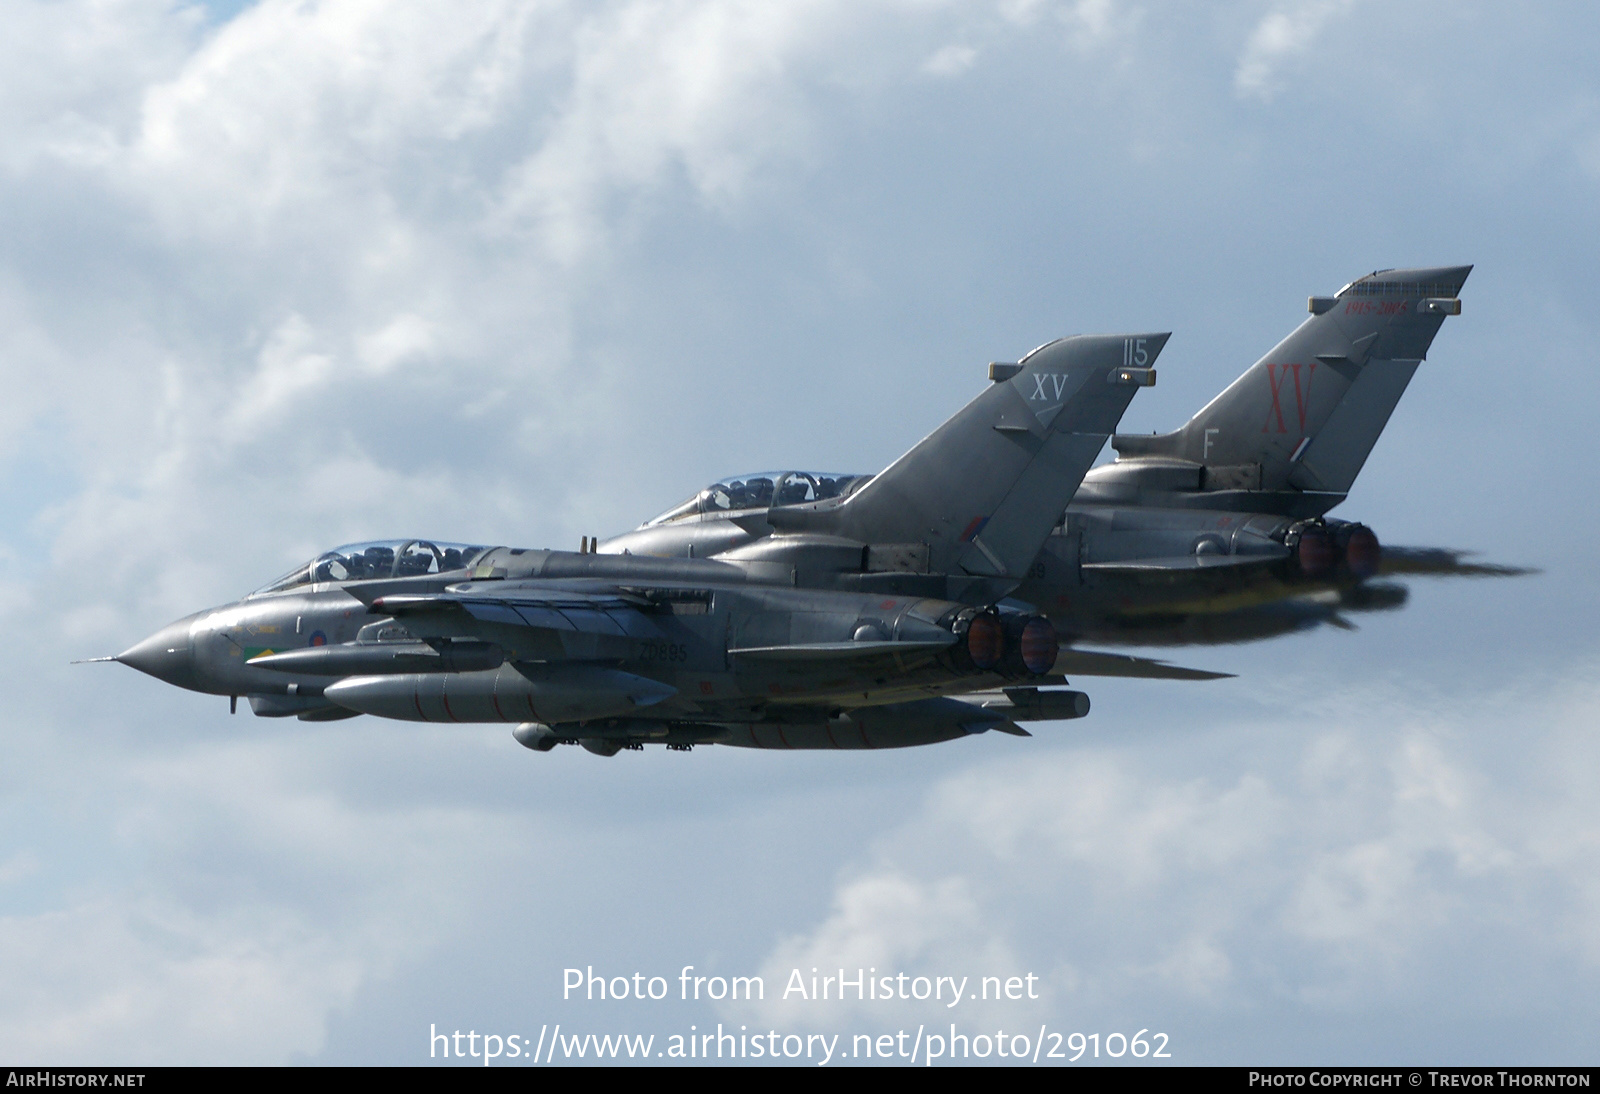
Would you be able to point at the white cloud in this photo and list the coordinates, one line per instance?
(659, 89)
(1284, 34)
(338, 224)
(950, 61)
(71, 74)
(115, 983)
(281, 902)
(885, 923)
(1347, 866)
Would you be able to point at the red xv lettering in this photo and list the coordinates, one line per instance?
(1302, 396)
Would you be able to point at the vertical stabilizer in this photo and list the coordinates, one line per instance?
(1306, 416)
(984, 489)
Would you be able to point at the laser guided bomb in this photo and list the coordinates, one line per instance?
(913, 641)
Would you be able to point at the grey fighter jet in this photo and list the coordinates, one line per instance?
(1218, 532)
(1214, 533)
(613, 651)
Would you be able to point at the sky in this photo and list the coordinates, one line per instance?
(283, 275)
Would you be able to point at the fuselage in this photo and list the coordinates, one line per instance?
(693, 642)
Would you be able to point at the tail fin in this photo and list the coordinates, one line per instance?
(984, 489)
(1305, 417)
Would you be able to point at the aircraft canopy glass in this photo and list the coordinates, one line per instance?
(762, 490)
(380, 558)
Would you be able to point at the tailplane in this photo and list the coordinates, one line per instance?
(1301, 422)
(981, 493)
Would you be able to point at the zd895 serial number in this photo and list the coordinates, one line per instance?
(663, 651)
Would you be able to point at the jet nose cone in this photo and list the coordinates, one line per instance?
(166, 656)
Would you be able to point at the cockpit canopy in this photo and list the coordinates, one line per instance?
(762, 490)
(380, 558)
